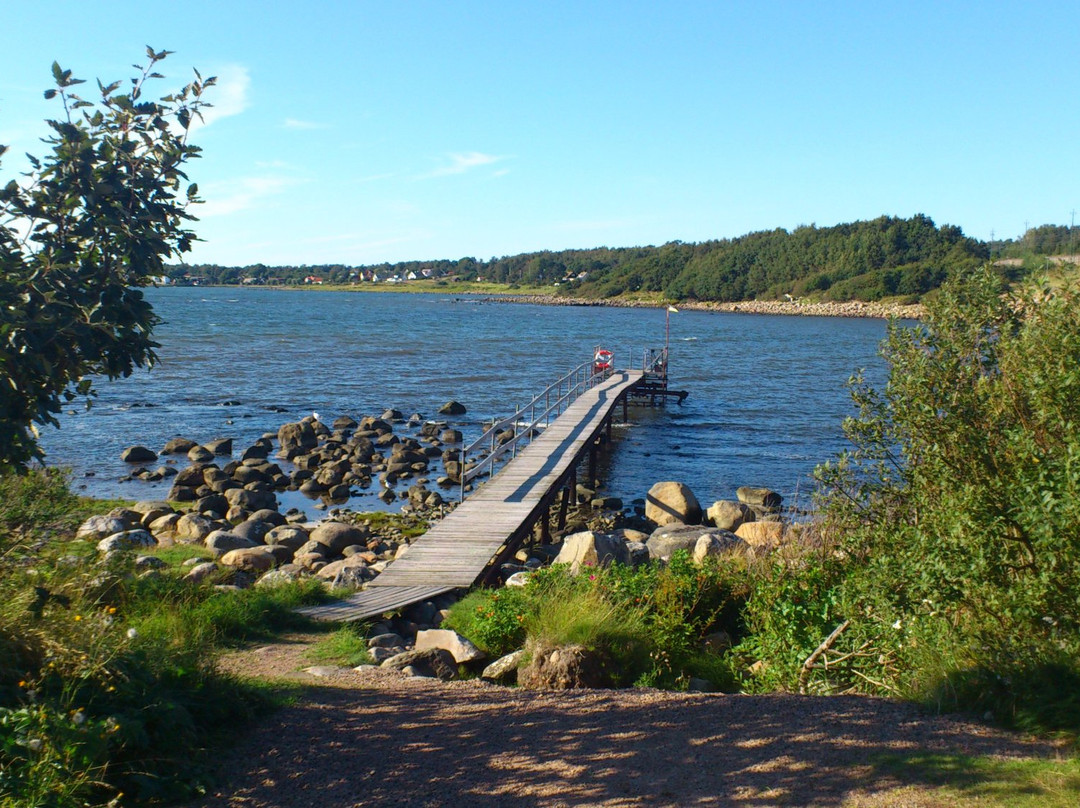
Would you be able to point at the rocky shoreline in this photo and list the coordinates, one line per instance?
(795, 308)
(228, 507)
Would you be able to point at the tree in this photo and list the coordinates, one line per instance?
(89, 224)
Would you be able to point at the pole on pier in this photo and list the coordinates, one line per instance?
(545, 526)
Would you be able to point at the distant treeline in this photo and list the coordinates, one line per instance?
(887, 257)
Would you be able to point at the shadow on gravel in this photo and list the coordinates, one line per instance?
(491, 747)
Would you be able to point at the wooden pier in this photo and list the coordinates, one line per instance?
(469, 544)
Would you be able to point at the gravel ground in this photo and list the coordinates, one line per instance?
(376, 737)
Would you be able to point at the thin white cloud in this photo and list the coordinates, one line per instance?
(294, 123)
(229, 96)
(241, 194)
(461, 163)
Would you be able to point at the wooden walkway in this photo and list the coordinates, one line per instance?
(494, 520)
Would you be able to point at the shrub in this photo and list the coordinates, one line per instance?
(493, 620)
(958, 508)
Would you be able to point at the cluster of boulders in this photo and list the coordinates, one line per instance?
(752, 523)
(325, 462)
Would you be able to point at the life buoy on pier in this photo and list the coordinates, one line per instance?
(603, 361)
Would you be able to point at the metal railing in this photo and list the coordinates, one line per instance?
(523, 425)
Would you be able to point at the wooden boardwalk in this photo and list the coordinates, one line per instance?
(494, 520)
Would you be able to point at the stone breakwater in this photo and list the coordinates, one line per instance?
(853, 308)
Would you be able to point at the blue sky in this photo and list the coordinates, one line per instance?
(360, 132)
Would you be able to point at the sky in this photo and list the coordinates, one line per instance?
(362, 132)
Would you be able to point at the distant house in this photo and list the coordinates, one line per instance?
(314, 279)
(427, 273)
(249, 281)
(411, 276)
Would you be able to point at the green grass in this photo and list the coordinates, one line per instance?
(959, 781)
(347, 646)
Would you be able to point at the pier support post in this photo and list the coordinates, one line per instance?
(568, 492)
(545, 526)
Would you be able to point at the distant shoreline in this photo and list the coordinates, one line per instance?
(798, 308)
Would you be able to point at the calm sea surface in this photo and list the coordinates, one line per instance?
(767, 394)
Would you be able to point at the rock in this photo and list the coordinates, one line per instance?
(97, 528)
(126, 540)
(201, 572)
(336, 536)
(519, 578)
(253, 529)
(564, 668)
(280, 576)
(222, 541)
(219, 446)
(504, 670)
(138, 454)
(178, 446)
(199, 454)
(606, 504)
(324, 671)
(296, 438)
(165, 526)
(250, 500)
(145, 506)
(714, 545)
(251, 559)
(728, 515)
(669, 502)
(434, 662)
(149, 563)
(191, 527)
(666, 540)
(638, 552)
(591, 549)
(288, 536)
(450, 436)
(452, 408)
(359, 567)
(214, 503)
(696, 685)
(759, 497)
(379, 655)
(460, 648)
(762, 534)
(386, 640)
(268, 515)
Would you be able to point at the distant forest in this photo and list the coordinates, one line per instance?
(887, 257)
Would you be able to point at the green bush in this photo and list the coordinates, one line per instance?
(956, 514)
(107, 680)
(493, 620)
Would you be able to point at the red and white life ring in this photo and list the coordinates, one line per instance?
(603, 360)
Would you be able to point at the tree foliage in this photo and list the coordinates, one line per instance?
(90, 223)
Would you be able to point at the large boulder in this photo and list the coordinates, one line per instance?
(565, 668)
(433, 662)
(452, 408)
(249, 559)
(504, 670)
(126, 540)
(667, 540)
(336, 536)
(297, 438)
(287, 536)
(759, 497)
(713, 545)
(178, 446)
(461, 649)
(192, 527)
(97, 528)
(222, 541)
(138, 454)
(669, 502)
(589, 549)
(762, 534)
(728, 515)
(250, 500)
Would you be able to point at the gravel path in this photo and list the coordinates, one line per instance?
(378, 738)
